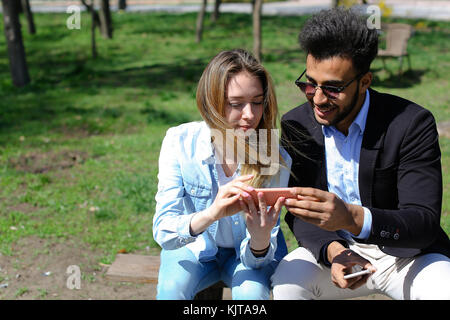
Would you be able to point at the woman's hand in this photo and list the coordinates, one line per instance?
(225, 204)
(260, 221)
(227, 199)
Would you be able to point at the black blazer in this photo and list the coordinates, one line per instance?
(400, 177)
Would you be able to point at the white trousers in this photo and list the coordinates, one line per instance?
(427, 277)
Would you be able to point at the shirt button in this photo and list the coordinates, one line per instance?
(236, 223)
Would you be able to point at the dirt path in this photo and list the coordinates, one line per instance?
(37, 271)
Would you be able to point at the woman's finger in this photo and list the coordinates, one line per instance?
(243, 186)
(251, 205)
(231, 191)
(230, 201)
(278, 206)
(262, 203)
(243, 205)
(244, 178)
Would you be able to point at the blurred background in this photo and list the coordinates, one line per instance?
(88, 90)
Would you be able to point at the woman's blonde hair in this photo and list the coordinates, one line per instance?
(212, 99)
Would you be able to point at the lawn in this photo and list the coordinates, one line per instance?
(79, 145)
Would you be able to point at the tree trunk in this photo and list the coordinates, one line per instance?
(95, 21)
(257, 9)
(216, 12)
(93, 25)
(29, 15)
(16, 50)
(122, 4)
(105, 19)
(200, 19)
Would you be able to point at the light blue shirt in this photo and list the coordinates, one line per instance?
(188, 183)
(342, 163)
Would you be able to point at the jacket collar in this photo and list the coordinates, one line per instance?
(205, 151)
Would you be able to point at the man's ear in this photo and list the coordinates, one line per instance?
(366, 81)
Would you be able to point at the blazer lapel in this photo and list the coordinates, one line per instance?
(317, 135)
(373, 140)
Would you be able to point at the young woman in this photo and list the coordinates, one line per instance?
(206, 221)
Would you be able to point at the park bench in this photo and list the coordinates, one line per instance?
(144, 269)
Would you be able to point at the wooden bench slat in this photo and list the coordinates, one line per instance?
(144, 269)
(134, 268)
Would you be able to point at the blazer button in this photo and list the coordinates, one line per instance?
(396, 236)
(383, 234)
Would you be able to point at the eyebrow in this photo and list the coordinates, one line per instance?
(241, 97)
(329, 82)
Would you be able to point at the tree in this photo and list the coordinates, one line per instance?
(95, 21)
(105, 19)
(257, 9)
(29, 15)
(122, 4)
(16, 50)
(200, 20)
(216, 11)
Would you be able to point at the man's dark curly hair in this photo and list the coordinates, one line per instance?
(343, 33)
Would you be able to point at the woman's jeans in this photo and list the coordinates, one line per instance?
(182, 276)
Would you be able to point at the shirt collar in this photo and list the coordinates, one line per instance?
(360, 120)
(205, 152)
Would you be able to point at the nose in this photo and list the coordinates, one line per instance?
(247, 112)
(319, 97)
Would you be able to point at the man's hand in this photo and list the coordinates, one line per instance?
(343, 260)
(326, 210)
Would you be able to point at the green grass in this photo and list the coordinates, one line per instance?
(79, 145)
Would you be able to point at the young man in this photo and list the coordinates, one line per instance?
(368, 175)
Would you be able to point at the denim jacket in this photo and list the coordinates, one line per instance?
(187, 183)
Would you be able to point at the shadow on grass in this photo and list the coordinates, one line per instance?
(55, 96)
(407, 79)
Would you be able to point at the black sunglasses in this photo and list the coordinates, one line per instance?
(332, 92)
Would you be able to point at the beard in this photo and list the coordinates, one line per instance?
(341, 114)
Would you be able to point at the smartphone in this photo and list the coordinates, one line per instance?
(356, 274)
(271, 195)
